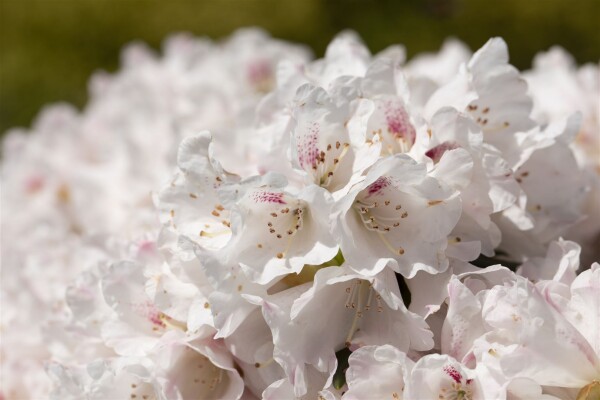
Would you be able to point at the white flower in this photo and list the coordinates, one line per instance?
(346, 55)
(483, 178)
(550, 350)
(360, 311)
(377, 372)
(584, 308)
(391, 122)
(561, 263)
(225, 302)
(553, 190)
(492, 92)
(138, 323)
(339, 244)
(328, 137)
(560, 89)
(400, 216)
(428, 71)
(191, 204)
(441, 377)
(277, 233)
(128, 378)
(197, 368)
(252, 346)
(463, 323)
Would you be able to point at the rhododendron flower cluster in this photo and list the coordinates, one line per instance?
(235, 220)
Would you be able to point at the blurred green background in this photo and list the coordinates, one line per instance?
(49, 48)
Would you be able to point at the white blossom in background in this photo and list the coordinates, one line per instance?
(233, 220)
(559, 89)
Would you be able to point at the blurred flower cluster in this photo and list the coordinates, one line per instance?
(237, 220)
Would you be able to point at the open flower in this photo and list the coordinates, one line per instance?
(138, 323)
(492, 92)
(441, 377)
(190, 205)
(328, 139)
(377, 372)
(397, 216)
(276, 233)
(360, 311)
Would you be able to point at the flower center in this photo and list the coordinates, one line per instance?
(284, 217)
(322, 164)
(391, 123)
(380, 211)
(456, 391)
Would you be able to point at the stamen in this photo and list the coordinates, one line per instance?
(398, 251)
(371, 290)
(204, 233)
(328, 174)
(404, 145)
(350, 298)
(358, 313)
(172, 323)
(291, 232)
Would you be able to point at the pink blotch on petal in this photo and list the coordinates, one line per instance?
(259, 71)
(438, 151)
(146, 247)
(156, 320)
(34, 183)
(381, 183)
(308, 151)
(453, 373)
(149, 311)
(268, 197)
(398, 121)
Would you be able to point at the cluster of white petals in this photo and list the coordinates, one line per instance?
(235, 220)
